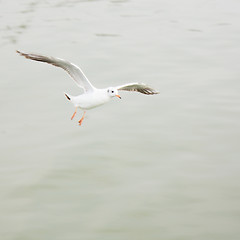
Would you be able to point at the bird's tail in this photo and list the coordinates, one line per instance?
(67, 96)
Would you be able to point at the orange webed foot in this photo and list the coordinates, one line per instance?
(74, 114)
(80, 121)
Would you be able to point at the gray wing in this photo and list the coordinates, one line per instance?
(138, 87)
(74, 71)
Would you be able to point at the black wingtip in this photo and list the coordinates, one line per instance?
(67, 97)
(19, 52)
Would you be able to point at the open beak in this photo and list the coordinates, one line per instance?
(118, 96)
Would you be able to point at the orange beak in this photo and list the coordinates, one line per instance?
(118, 96)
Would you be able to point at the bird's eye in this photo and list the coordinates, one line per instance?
(112, 91)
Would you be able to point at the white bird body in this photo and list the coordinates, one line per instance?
(90, 100)
(92, 97)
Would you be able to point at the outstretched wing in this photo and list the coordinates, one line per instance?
(138, 87)
(74, 71)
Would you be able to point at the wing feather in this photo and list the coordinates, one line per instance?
(138, 87)
(74, 71)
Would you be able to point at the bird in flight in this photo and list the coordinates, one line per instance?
(92, 97)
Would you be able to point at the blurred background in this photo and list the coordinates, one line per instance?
(144, 167)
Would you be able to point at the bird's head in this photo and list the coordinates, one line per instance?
(113, 92)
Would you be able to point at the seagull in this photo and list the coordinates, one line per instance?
(92, 97)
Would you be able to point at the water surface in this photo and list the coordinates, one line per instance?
(146, 167)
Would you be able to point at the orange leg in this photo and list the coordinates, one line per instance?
(80, 121)
(74, 114)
